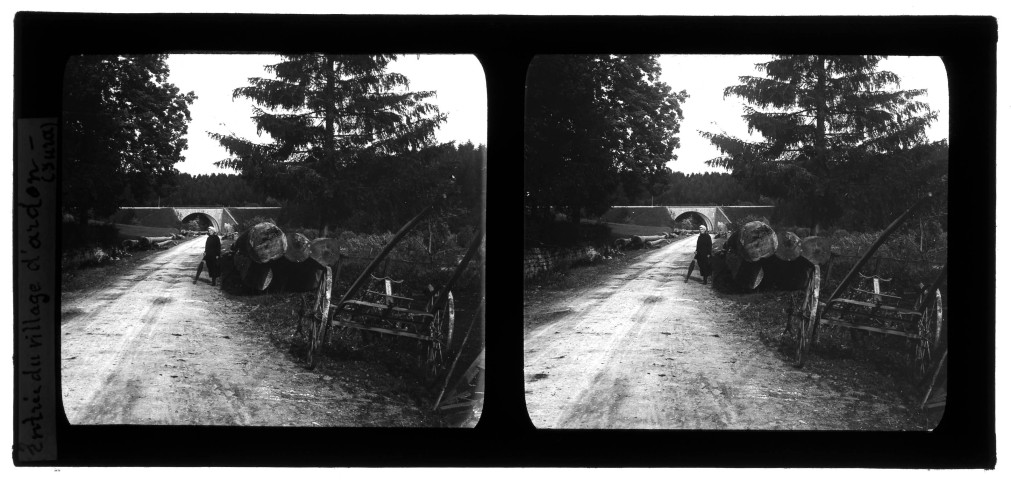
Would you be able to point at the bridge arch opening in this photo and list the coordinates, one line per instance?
(695, 219)
(202, 220)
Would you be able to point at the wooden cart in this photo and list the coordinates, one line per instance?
(372, 305)
(858, 303)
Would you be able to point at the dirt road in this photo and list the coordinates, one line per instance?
(643, 349)
(151, 347)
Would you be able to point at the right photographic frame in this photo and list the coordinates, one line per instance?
(736, 242)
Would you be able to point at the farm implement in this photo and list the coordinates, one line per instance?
(375, 307)
(861, 303)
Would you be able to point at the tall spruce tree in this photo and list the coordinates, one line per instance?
(329, 117)
(124, 129)
(823, 118)
(592, 122)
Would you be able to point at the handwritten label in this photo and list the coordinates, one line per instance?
(35, 228)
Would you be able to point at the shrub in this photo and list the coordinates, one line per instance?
(899, 258)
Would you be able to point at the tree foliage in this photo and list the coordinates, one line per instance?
(336, 124)
(704, 189)
(214, 189)
(829, 124)
(124, 128)
(592, 122)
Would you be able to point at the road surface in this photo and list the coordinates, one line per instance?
(643, 349)
(153, 348)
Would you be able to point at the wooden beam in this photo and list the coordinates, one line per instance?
(887, 331)
(401, 333)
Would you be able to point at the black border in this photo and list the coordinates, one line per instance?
(504, 45)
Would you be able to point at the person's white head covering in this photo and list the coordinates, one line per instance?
(211, 231)
(702, 229)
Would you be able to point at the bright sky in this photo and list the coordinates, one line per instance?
(458, 81)
(706, 76)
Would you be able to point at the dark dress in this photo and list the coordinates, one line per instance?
(703, 250)
(212, 250)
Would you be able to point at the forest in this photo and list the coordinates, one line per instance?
(695, 189)
(841, 145)
(352, 146)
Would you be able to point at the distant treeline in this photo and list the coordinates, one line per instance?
(395, 192)
(696, 188)
(228, 190)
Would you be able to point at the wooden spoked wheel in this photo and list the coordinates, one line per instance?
(441, 331)
(808, 317)
(316, 323)
(930, 329)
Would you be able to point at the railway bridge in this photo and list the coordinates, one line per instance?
(214, 216)
(716, 218)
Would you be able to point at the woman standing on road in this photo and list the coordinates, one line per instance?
(212, 250)
(703, 250)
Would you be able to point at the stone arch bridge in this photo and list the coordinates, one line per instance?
(716, 218)
(216, 217)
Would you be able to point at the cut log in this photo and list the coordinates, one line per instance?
(298, 247)
(651, 238)
(758, 241)
(230, 277)
(152, 242)
(621, 243)
(657, 243)
(789, 246)
(325, 251)
(749, 276)
(242, 264)
(816, 250)
(734, 262)
(258, 276)
(786, 275)
(267, 242)
(241, 244)
(166, 244)
(298, 277)
(635, 242)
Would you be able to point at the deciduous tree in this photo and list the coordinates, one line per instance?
(590, 120)
(124, 128)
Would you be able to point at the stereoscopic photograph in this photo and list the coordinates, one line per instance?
(736, 242)
(273, 240)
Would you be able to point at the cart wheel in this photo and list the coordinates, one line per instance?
(433, 360)
(808, 317)
(441, 331)
(930, 327)
(316, 322)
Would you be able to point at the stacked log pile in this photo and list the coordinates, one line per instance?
(264, 257)
(642, 241)
(757, 255)
(148, 243)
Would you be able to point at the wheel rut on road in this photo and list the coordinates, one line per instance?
(644, 349)
(152, 347)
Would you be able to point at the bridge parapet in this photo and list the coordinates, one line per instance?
(716, 217)
(216, 216)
